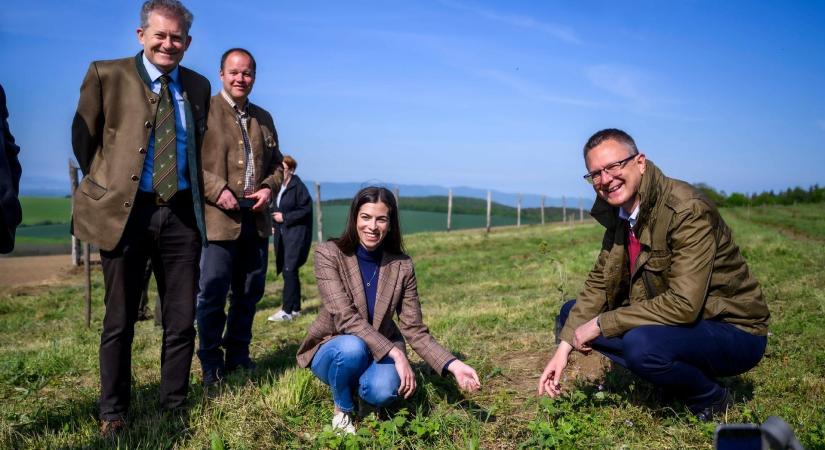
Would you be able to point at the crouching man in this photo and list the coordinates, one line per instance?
(670, 296)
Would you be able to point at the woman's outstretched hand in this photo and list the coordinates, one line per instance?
(465, 376)
(405, 373)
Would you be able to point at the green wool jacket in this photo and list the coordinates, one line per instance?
(689, 268)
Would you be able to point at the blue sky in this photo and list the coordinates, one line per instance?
(497, 95)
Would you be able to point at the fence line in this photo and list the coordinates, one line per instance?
(319, 219)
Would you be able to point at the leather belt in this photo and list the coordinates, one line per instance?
(154, 198)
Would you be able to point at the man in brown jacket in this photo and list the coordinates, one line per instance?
(242, 172)
(136, 136)
(670, 296)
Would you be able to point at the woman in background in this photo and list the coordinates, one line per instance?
(293, 236)
(364, 278)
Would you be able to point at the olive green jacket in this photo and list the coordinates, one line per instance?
(689, 268)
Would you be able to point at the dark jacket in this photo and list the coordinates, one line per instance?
(223, 166)
(689, 268)
(10, 212)
(110, 134)
(295, 233)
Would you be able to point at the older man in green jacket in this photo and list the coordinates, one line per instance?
(670, 296)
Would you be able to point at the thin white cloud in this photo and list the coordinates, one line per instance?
(558, 31)
(533, 90)
(621, 81)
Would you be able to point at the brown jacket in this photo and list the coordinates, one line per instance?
(344, 308)
(689, 268)
(110, 134)
(223, 166)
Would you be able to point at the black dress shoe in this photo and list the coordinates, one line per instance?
(212, 377)
(248, 365)
(717, 408)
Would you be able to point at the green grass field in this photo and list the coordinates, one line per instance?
(46, 210)
(489, 298)
(45, 228)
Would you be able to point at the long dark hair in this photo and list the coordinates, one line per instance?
(392, 243)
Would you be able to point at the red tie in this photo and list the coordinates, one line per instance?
(633, 248)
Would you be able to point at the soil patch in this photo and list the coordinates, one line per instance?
(27, 271)
(520, 372)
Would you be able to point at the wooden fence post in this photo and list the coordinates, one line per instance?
(319, 220)
(489, 208)
(563, 208)
(542, 209)
(449, 209)
(87, 268)
(581, 210)
(76, 250)
(518, 212)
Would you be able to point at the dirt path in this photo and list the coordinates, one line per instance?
(22, 271)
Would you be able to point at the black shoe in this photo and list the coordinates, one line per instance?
(717, 408)
(212, 377)
(111, 429)
(247, 365)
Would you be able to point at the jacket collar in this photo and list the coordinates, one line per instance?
(185, 84)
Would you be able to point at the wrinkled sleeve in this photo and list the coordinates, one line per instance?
(592, 300)
(87, 125)
(412, 327)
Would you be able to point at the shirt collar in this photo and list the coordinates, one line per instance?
(632, 217)
(155, 73)
(233, 104)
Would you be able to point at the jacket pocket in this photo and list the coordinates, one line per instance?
(655, 273)
(92, 189)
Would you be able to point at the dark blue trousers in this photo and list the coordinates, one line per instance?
(239, 266)
(685, 361)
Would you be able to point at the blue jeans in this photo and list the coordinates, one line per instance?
(345, 364)
(685, 361)
(239, 265)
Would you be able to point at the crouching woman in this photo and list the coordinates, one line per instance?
(355, 345)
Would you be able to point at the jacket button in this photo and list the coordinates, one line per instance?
(152, 100)
(134, 177)
(240, 161)
(142, 150)
(127, 204)
(239, 182)
(147, 124)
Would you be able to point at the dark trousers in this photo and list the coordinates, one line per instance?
(292, 284)
(292, 290)
(168, 235)
(239, 266)
(685, 361)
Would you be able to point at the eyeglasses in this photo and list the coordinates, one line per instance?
(612, 169)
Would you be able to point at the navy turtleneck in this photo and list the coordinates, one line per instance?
(369, 263)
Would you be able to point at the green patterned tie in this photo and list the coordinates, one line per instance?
(165, 175)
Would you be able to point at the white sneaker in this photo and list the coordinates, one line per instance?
(279, 316)
(295, 314)
(342, 421)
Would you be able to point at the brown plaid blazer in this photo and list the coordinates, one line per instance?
(344, 308)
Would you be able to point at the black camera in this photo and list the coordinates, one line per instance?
(774, 434)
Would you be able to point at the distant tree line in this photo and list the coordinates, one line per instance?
(790, 196)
